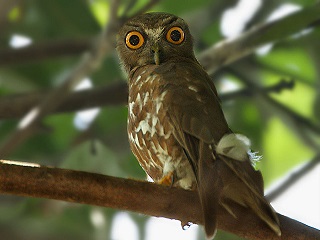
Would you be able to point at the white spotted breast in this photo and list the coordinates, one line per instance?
(150, 132)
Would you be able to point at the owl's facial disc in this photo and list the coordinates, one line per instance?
(153, 39)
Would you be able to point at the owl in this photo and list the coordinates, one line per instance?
(176, 126)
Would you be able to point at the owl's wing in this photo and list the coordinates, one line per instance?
(194, 110)
(192, 106)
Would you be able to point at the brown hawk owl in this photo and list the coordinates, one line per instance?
(176, 126)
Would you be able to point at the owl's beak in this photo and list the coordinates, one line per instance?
(156, 53)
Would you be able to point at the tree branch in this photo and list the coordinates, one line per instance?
(226, 52)
(218, 55)
(246, 92)
(16, 106)
(90, 61)
(57, 48)
(229, 51)
(45, 50)
(293, 178)
(300, 122)
(28, 180)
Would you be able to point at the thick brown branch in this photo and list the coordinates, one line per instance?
(143, 197)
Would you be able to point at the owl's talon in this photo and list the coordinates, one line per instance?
(167, 180)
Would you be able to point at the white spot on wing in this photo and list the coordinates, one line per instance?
(193, 88)
(158, 106)
(154, 121)
(138, 99)
(200, 100)
(136, 140)
(131, 104)
(159, 101)
(146, 98)
(151, 78)
(162, 133)
(131, 137)
(143, 126)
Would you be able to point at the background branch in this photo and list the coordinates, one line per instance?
(16, 106)
(96, 189)
(293, 178)
(248, 91)
(90, 61)
(218, 55)
(43, 51)
(229, 51)
(303, 126)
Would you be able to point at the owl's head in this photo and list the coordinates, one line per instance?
(153, 38)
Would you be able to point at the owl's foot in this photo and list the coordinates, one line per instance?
(167, 180)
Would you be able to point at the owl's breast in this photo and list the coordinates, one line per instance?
(150, 131)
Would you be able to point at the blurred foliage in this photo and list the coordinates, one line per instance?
(103, 147)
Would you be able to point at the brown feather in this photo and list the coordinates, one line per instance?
(246, 189)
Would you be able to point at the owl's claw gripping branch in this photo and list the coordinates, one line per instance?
(167, 180)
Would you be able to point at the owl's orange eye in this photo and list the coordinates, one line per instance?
(175, 35)
(134, 40)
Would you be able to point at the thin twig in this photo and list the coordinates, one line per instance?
(247, 92)
(147, 198)
(297, 119)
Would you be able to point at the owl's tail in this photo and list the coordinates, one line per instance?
(266, 213)
(246, 189)
(222, 177)
(209, 188)
(258, 204)
(242, 183)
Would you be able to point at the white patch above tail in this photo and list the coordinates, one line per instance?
(235, 146)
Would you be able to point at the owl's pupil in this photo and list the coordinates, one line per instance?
(134, 40)
(175, 35)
